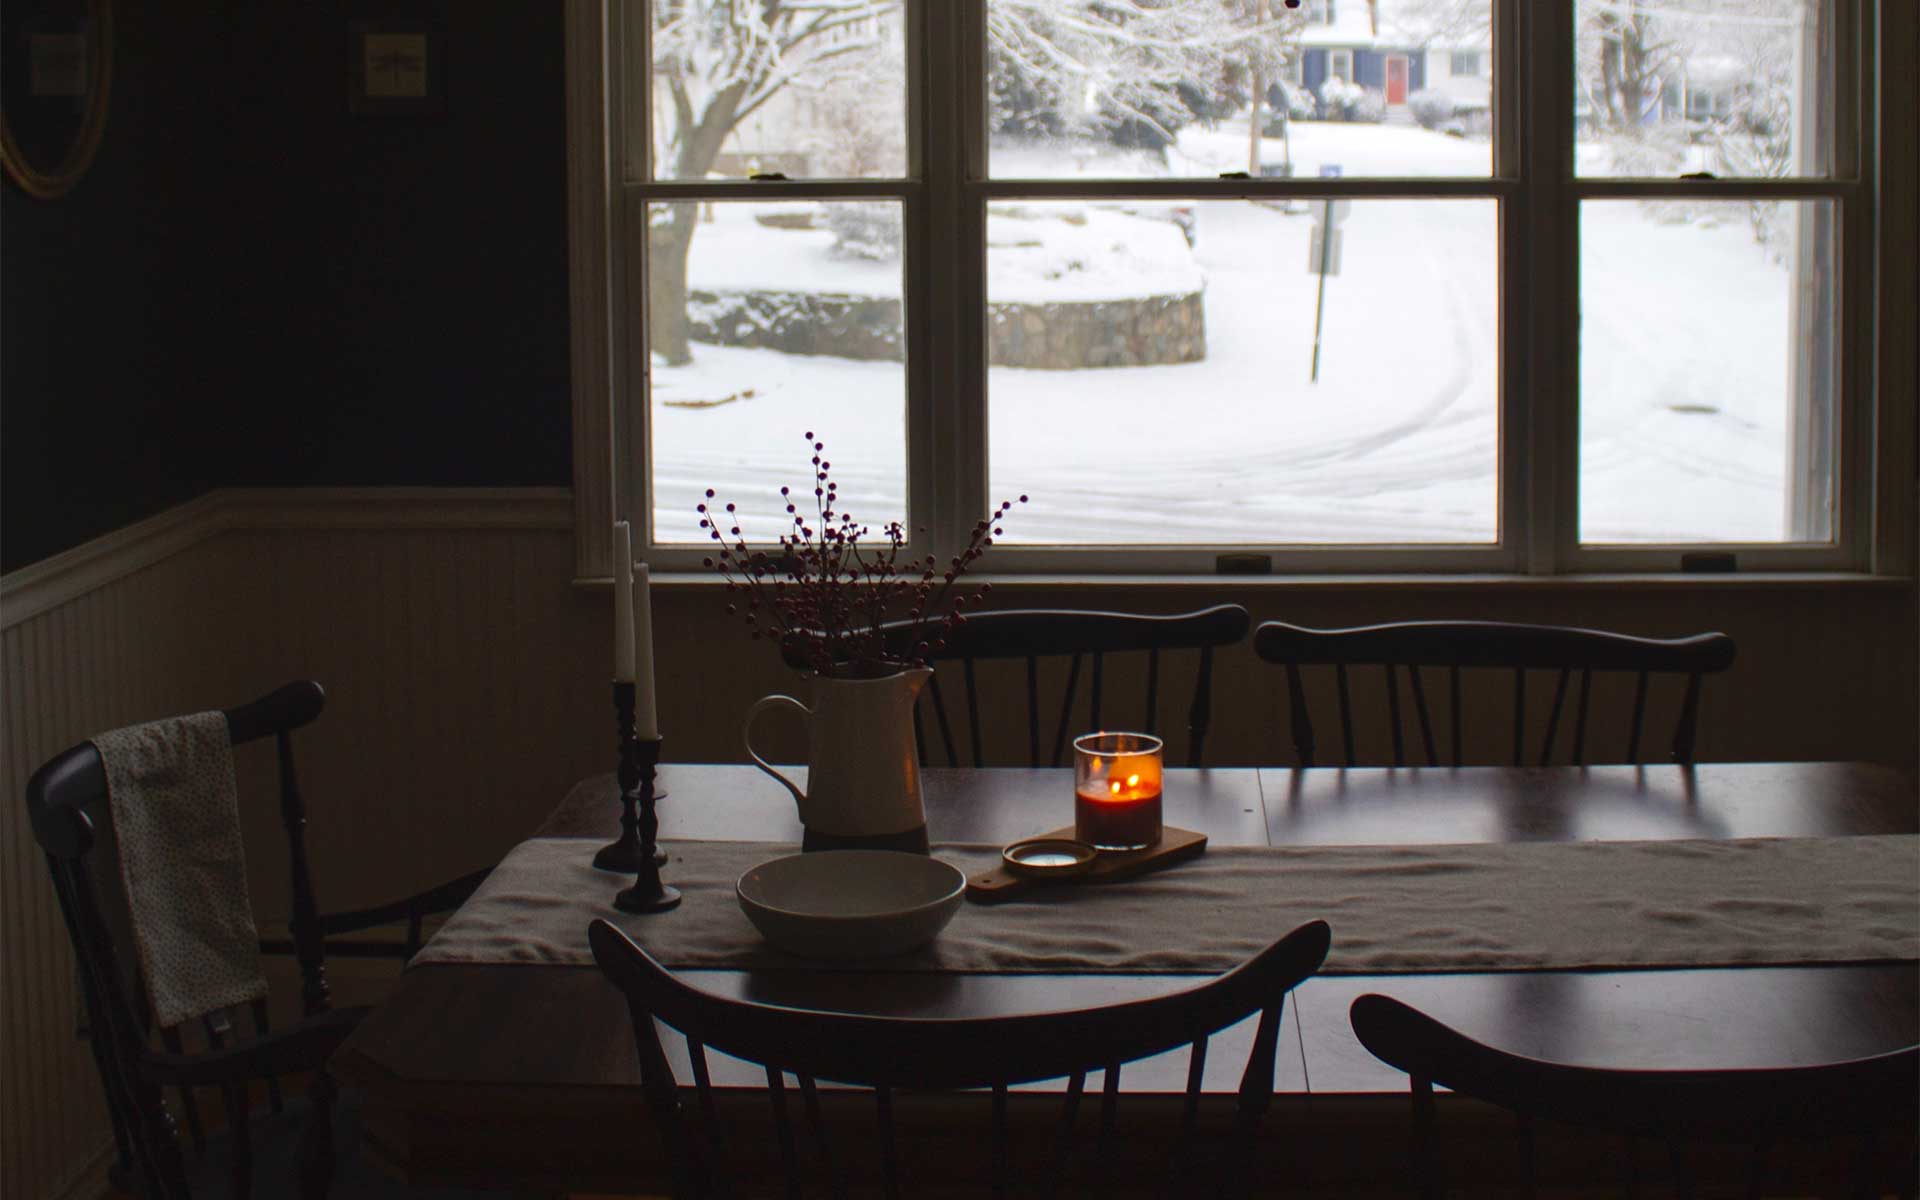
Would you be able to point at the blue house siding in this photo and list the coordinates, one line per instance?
(1369, 68)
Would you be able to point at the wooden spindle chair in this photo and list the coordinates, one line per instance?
(1762, 1110)
(68, 807)
(1410, 647)
(890, 1055)
(1030, 635)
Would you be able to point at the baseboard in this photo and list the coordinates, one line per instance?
(38, 587)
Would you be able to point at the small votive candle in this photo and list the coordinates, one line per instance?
(1116, 790)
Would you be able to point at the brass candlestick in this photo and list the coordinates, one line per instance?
(648, 894)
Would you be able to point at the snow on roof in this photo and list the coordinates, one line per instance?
(1352, 25)
(1403, 24)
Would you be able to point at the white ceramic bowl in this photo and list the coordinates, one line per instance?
(851, 903)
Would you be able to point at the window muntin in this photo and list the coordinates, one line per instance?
(1464, 63)
(1518, 165)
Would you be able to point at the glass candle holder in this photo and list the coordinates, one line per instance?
(1116, 790)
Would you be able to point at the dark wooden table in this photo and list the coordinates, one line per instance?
(519, 1073)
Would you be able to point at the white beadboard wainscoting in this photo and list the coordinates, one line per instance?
(466, 675)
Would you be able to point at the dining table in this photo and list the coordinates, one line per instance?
(523, 1074)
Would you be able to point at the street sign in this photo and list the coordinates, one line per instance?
(1334, 212)
(1330, 170)
(1323, 251)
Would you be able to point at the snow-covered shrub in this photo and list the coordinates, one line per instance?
(1337, 98)
(1343, 101)
(867, 231)
(1298, 100)
(1432, 109)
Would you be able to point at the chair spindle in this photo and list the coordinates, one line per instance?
(1580, 719)
(1393, 716)
(1301, 717)
(1639, 715)
(829, 1162)
(189, 1105)
(1200, 713)
(946, 726)
(1000, 1164)
(1453, 711)
(1098, 684)
(1033, 711)
(1063, 1132)
(1519, 715)
(1152, 722)
(1066, 709)
(1346, 712)
(1426, 716)
(889, 1152)
(973, 714)
(1553, 717)
(783, 1125)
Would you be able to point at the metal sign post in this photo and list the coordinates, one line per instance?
(1323, 255)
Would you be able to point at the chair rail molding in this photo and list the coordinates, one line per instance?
(38, 587)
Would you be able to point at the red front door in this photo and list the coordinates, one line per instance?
(1397, 79)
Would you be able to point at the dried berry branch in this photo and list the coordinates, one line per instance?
(854, 608)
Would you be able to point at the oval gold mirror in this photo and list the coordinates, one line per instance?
(56, 69)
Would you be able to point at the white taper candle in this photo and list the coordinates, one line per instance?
(646, 717)
(623, 604)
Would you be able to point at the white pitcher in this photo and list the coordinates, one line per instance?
(863, 772)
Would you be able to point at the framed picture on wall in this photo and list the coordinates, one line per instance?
(395, 69)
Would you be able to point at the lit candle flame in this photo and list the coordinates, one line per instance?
(1133, 781)
(1114, 787)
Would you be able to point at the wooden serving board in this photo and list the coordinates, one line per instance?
(1174, 846)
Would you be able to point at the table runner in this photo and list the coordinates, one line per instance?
(1393, 909)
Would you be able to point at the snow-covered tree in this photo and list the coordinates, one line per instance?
(1121, 69)
(1136, 67)
(716, 62)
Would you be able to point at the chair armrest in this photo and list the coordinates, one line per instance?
(444, 898)
(300, 1048)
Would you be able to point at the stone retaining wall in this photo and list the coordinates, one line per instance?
(1068, 335)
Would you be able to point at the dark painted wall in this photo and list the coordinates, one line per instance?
(255, 287)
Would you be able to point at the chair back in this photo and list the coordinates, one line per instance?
(888, 1054)
(1454, 646)
(1756, 1108)
(1085, 639)
(68, 808)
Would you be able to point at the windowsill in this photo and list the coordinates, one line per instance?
(1673, 581)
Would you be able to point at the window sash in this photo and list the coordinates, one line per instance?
(945, 198)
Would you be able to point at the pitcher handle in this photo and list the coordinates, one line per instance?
(746, 739)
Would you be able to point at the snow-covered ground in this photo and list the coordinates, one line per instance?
(1684, 368)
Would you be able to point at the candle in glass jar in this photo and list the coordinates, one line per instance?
(1117, 781)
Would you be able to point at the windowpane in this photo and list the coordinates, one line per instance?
(1083, 87)
(1152, 374)
(1706, 359)
(1738, 88)
(805, 90)
(785, 319)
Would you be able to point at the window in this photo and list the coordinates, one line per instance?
(1185, 327)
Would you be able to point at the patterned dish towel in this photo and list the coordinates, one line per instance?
(176, 816)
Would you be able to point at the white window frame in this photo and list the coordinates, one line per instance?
(1453, 64)
(1340, 65)
(946, 192)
